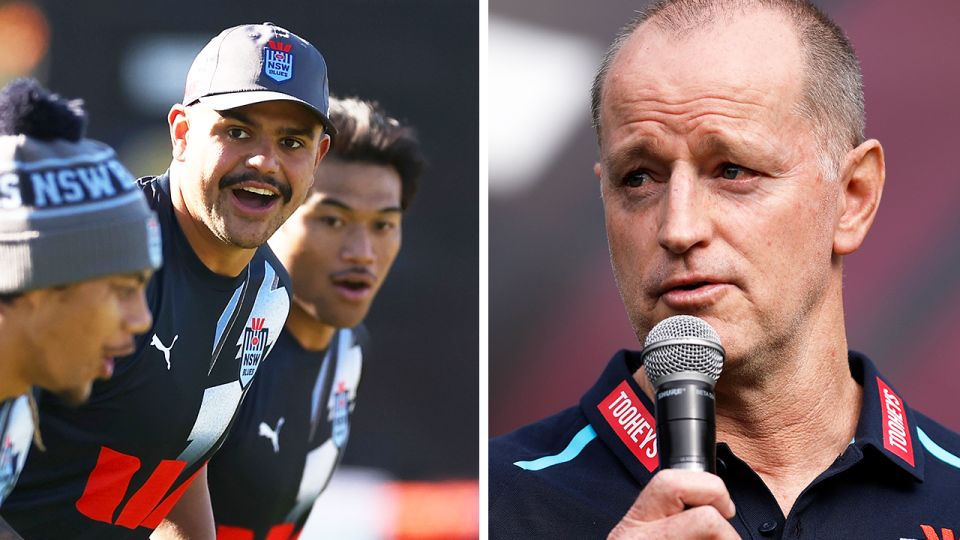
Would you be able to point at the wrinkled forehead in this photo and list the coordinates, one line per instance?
(752, 56)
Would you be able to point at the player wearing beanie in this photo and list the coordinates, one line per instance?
(246, 139)
(77, 246)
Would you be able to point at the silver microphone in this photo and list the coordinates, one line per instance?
(682, 357)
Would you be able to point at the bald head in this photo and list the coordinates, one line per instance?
(829, 89)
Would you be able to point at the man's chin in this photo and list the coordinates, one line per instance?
(75, 396)
(246, 239)
(347, 316)
(246, 232)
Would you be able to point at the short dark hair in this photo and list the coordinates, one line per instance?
(367, 134)
(832, 94)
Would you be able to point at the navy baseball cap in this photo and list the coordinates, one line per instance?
(253, 63)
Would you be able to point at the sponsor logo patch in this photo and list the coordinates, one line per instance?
(896, 432)
(278, 61)
(931, 534)
(633, 423)
(254, 343)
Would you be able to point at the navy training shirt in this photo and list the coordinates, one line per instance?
(288, 438)
(575, 474)
(116, 465)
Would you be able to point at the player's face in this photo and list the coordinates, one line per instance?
(78, 330)
(714, 202)
(246, 170)
(340, 244)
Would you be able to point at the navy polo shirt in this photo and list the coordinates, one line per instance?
(575, 474)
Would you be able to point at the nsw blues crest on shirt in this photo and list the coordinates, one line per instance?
(343, 391)
(254, 343)
(341, 422)
(9, 470)
(16, 434)
(278, 61)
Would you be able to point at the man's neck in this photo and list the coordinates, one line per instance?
(11, 387)
(13, 381)
(795, 425)
(310, 333)
(221, 258)
(791, 414)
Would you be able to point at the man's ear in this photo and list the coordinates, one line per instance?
(862, 176)
(179, 127)
(25, 302)
(322, 150)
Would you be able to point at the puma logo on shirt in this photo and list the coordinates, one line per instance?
(272, 434)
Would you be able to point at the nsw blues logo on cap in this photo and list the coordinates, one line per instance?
(278, 61)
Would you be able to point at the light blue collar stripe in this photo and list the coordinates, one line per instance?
(572, 450)
(937, 452)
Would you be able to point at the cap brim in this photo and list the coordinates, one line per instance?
(223, 102)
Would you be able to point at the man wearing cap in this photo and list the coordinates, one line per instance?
(246, 141)
(339, 247)
(77, 245)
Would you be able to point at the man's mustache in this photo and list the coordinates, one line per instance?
(230, 180)
(355, 271)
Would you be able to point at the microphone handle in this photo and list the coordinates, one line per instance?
(686, 422)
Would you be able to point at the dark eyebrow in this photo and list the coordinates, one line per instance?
(297, 132)
(238, 116)
(344, 206)
(234, 114)
(338, 204)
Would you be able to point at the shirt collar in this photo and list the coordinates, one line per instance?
(622, 416)
(885, 422)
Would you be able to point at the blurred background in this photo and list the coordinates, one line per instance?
(555, 314)
(411, 467)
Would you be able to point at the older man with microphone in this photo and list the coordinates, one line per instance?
(735, 178)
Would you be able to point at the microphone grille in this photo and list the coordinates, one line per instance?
(679, 357)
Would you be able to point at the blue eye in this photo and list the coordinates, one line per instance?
(637, 179)
(732, 172)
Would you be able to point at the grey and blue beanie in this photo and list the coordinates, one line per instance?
(69, 211)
